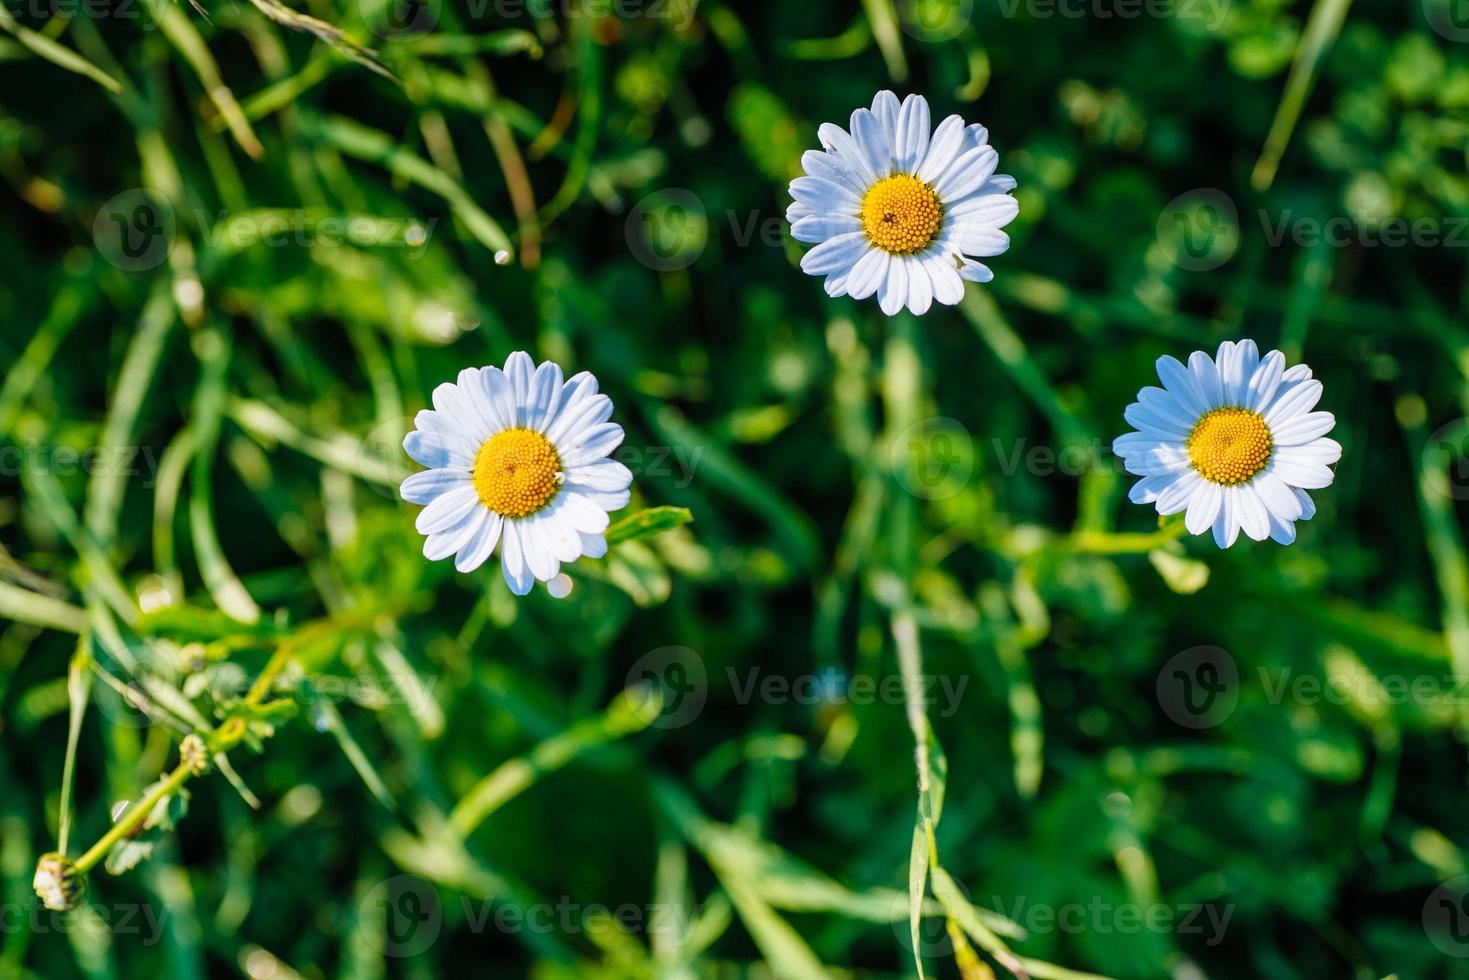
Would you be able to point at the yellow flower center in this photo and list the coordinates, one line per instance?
(1229, 445)
(901, 214)
(517, 472)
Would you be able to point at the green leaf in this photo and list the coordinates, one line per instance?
(646, 523)
(128, 854)
(1183, 575)
(917, 885)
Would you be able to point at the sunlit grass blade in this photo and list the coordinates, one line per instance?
(56, 53)
(1321, 30)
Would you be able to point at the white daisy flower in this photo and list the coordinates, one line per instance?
(517, 458)
(1233, 441)
(895, 210)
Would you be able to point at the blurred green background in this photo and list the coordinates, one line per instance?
(244, 242)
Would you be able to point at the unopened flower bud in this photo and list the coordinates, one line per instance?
(194, 754)
(58, 882)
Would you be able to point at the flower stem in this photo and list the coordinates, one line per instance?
(1105, 543)
(130, 821)
(230, 734)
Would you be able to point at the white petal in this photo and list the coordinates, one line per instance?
(1282, 531)
(1150, 422)
(545, 396)
(557, 533)
(978, 239)
(572, 420)
(840, 143)
(885, 107)
(819, 227)
(604, 474)
(447, 509)
(578, 511)
(892, 295)
(975, 135)
(1159, 459)
(1308, 506)
(1227, 360)
(1226, 525)
(1302, 429)
(480, 547)
(431, 421)
(920, 290)
(581, 385)
(590, 444)
(450, 401)
(519, 368)
(993, 210)
(1178, 493)
(1249, 362)
(1278, 498)
(976, 272)
(819, 163)
(512, 560)
(1254, 519)
(947, 141)
(1265, 382)
(444, 543)
(967, 173)
(1135, 444)
(499, 395)
(1176, 379)
(1324, 451)
(593, 545)
(868, 274)
(1146, 490)
(610, 501)
(471, 382)
(1163, 403)
(870, 139)
(1298, 399)
(422, 488)
(948, 287)
(913, 133)
(1206, 379)
(436, 449)
(497, 400)
(1306, 475)
(539, 548)
(1203, 508)
(824, 196)
(840, 253)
